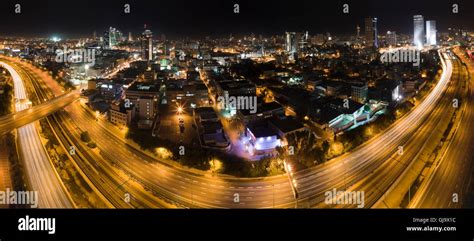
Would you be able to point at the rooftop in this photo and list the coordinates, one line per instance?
(144, 86)
(286, 124)
(264, 107)
(233, 85)
(261, 131)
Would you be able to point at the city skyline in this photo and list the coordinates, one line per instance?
(217, 18)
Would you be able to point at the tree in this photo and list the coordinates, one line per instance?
(85, 136)
(325, 146)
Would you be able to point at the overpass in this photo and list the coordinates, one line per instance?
(26, 116)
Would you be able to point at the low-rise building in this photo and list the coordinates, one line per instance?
(264, 111)
(359, 92)
(203, 114)
(261, 140)
(210, 128)
(192, 95)
(108, 89)
(339, 114)
(285, 125)
(144, 96)
(388, 90)
(236, 88)
(121, 115)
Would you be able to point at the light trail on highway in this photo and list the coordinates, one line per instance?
(41, 175)
(447, 184)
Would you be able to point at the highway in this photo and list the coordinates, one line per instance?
(452, 174)
(191, 188)
(41, 175)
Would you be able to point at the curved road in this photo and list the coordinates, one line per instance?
(453, 173)
(42, 176)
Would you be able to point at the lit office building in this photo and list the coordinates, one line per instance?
(391, 38)
(371, 39)
(302, 40)
(112, 37)
(431, 32)
(359, 92)
(418, 31)
(147, 45)
(291, 43)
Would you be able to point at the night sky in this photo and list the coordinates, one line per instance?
(187, 18)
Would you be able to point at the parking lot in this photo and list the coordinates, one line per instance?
(170, 128)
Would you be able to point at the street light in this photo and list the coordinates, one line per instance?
(273, 189)
(179, 108)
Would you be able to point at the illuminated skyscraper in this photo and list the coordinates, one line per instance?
(391, 38)
(295, 42)
(302, 40)
(418, 31)
(147, 45)
(112, 37)
(371, 39)
(105, 40)
(431, 32)
(291, 43)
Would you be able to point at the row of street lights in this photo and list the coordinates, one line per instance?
(292, 179)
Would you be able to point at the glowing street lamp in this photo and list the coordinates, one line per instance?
(180, 109)
(295, 183)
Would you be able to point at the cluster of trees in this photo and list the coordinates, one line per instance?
(250, 69)
(199, 158)
(17, 171)
(55, 69)
(85, 137)
(66, 84)
(356, 137)
(6, 100)
(48, 134)
(304, 150)
(186, 155)
(239, 167)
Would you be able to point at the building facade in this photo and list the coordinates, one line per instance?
(418, 31)
(371, 35)
(431, 32)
